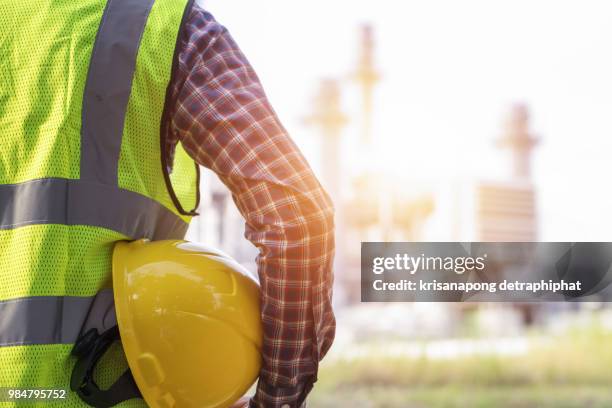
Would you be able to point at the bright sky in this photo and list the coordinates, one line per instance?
(450, 70)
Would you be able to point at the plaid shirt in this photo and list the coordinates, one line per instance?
(222, 116)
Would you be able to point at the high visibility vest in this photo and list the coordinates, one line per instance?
(83, 116)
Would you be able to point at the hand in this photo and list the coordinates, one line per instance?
(241, 403)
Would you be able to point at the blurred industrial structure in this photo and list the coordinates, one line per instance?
(219, 223)
(366, 76)
(493, 210)
(370, 207)
(375, 210)
(507, 209)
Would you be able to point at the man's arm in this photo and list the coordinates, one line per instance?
(225, 122)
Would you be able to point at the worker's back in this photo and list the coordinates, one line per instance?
(82, 95)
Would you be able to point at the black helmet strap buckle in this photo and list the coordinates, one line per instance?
(89, 348)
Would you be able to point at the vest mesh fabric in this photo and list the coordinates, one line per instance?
(43, 67)
(45, 51)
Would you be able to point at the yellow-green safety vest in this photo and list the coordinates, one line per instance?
(84, 111)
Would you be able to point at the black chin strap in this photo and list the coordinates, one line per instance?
(89, 348)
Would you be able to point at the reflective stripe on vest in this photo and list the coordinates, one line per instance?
(45, 201)
(107, 90)
(54, 319)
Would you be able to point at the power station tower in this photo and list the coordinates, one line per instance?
(328, 117)
(518, 139)
(507, 210)
(366, 76)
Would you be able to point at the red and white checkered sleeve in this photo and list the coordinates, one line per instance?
(225, 122)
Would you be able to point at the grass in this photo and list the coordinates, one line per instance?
(569, 371)
(461, 397)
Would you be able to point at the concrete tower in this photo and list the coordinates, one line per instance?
(518, 139)
(506, 210)
(328, 117)
(366, 76)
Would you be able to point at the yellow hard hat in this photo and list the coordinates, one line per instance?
(189, 322)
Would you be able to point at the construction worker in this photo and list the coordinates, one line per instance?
(104, 108)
